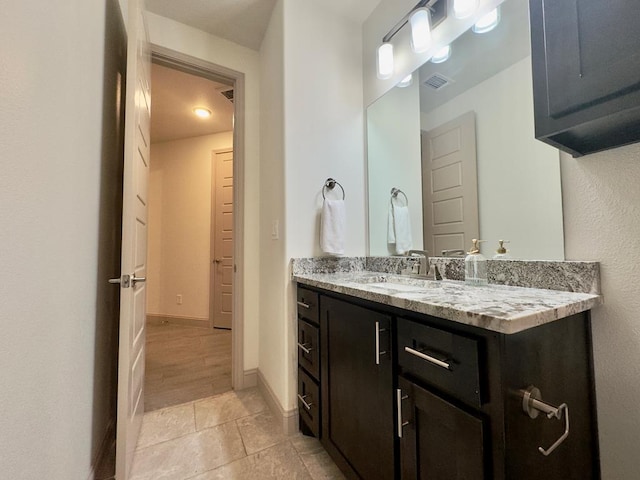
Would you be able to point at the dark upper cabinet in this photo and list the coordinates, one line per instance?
(586, 73)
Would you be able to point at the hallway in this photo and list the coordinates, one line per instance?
(184, 364)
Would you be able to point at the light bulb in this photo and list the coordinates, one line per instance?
(488, 22)
(385, 61)
(202, 112)
(464, 8)
(420, 30)
(442, 55)
(406, 81)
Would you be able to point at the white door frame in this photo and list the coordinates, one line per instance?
(188, 64)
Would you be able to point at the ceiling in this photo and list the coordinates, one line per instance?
(245, 21)
(175, 94)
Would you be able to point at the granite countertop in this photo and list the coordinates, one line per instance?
(500, 308)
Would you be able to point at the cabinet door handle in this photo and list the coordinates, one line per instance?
(378, 352)
(305, 348)
(304, 402)
(303, 305)
(428, 358)
(399, 398)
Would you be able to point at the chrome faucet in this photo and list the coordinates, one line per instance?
(425, 270)
(424, 260)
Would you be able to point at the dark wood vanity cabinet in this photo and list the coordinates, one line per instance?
(309, 401)
(586, 73)
(357, 389)
(410, 396)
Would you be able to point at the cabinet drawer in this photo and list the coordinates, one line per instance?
(309, 402)
(309, 348)
(308, 305)
(448, 361)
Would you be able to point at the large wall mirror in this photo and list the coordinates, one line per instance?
(459, 144)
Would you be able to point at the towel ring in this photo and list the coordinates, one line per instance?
(394, 194)
(331, 184)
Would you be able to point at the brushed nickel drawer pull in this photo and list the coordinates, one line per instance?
(303, 305)
(305, 348)
(428, 358)
(399, 398)
(378, 352)
(302, 399)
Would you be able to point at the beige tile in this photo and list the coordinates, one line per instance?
(260, 431)
(228, 406)
(187, 456)
(315, 458)
(161, 425)
(279, 462)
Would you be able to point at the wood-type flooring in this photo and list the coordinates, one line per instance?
(184, 364)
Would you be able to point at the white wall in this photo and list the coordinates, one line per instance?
(323, 138)
(519, 192)
(53, 387)
(312, 129)
(180, 192)
(602, 223)
(190, 41)
(394, 160)
(273, 272)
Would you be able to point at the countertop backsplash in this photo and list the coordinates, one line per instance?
(567, 276)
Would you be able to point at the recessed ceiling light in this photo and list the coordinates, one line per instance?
(442, 55)
(488, 22)
(202, 112)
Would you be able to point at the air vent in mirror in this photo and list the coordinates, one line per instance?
(437, 81)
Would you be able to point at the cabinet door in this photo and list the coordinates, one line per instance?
(586, 65)
(439, 441)
(357, 389)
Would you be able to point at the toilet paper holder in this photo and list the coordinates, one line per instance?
(532, 404)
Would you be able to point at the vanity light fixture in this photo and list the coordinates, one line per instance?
(488, 22)
(420, 30)
(406, 81)
(423, 18)
(385, 61)
(202, 112)
(442, 55)
(464, 8)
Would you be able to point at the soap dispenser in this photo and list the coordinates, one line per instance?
(502, 253)
(475, 265)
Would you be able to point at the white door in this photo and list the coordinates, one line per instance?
(222, 278)
(134, 242)
(450, 185)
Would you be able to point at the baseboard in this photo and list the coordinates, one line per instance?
(157, 319)
(104, 451)
(250, 378)
(288, 418)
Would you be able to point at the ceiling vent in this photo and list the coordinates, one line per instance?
(228, 93)
(437, 81)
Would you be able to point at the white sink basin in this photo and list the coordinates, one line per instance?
(397, 283)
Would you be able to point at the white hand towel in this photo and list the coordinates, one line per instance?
(399, 229)
(333, 227)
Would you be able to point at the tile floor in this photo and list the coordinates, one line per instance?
(228, 436)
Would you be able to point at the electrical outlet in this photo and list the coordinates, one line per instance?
(179, 299)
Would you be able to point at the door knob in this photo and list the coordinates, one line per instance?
(218, 260)
(124, 281)
(135, 280)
